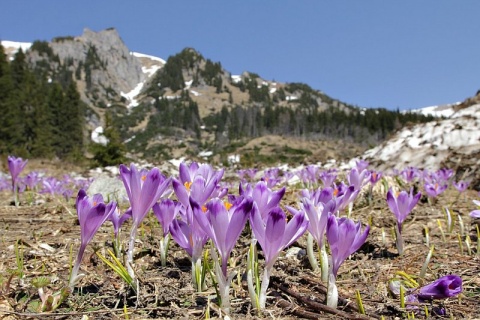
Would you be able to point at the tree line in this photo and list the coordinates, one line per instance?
(42, 114)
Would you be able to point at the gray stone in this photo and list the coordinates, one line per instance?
(111, 188)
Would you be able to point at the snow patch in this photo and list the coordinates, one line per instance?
(98, 137)
(236, 79)
(130, 96)
(141, 55)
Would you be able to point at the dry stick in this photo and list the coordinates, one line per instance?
(318, 306)
(295, 309)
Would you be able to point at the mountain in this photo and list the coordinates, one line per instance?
(189, 105)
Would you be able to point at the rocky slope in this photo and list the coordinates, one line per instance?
(452, 142)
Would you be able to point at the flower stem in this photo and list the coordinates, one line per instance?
(399, 239)
(267, 272)
(324, 262)
(310, 253)
(131, 247)
(332, 292)
(163, 249)
(76, 266)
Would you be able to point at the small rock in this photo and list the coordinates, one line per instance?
(112, 189)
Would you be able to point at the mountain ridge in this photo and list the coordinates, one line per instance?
(191, 103)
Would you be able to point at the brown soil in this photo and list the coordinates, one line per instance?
(46, 236)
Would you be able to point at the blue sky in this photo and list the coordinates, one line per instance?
(376, 53)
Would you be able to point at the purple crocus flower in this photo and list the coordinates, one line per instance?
(188, 235)
(319, 195)
(345, 195)
(317, 214)
(247, 175)
(223, 223)
(361, 164)
(445, 174)
(166, 211)
(32, 179)
(328, 177)
(461, 185)
(358, 178)
(275, 234)
(118, 219)
(92, 213)
(445, 287)
(144, 189)
(435, 189)
(344, 237)
(409, 174)
(402, 204)
(196, 181)
(375, 176)
(15, 165)
(263, 196)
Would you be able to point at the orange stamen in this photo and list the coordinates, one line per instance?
(227, 205)
(187, 185)
(144, 178)
(204, 209)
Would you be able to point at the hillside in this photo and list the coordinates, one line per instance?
(451, 142)
(189, 105)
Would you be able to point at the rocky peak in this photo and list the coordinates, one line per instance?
(101, 62)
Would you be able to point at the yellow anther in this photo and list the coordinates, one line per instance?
(227, 205)
(144, 178)
(204, 209)
(187, 185)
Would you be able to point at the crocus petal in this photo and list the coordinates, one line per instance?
(294, 229)
(442, 288)
(182, 235)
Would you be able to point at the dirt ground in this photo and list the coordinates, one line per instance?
(46, 237)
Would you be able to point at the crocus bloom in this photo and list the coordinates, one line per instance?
(409, 174)
(166, 211)
(442, 288)
(344, 237)
(118, 219)
(275, 234)
(375, 177)
(92, 213)
(263, 196)
(361, 164)
(328, 177)
(196, 181)
(358, 178)
(402, 204)
(434, 189)
(317, 214)
(461, 185)
(223, 223)
(15, 165)
(144, 188)
(189, 235)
